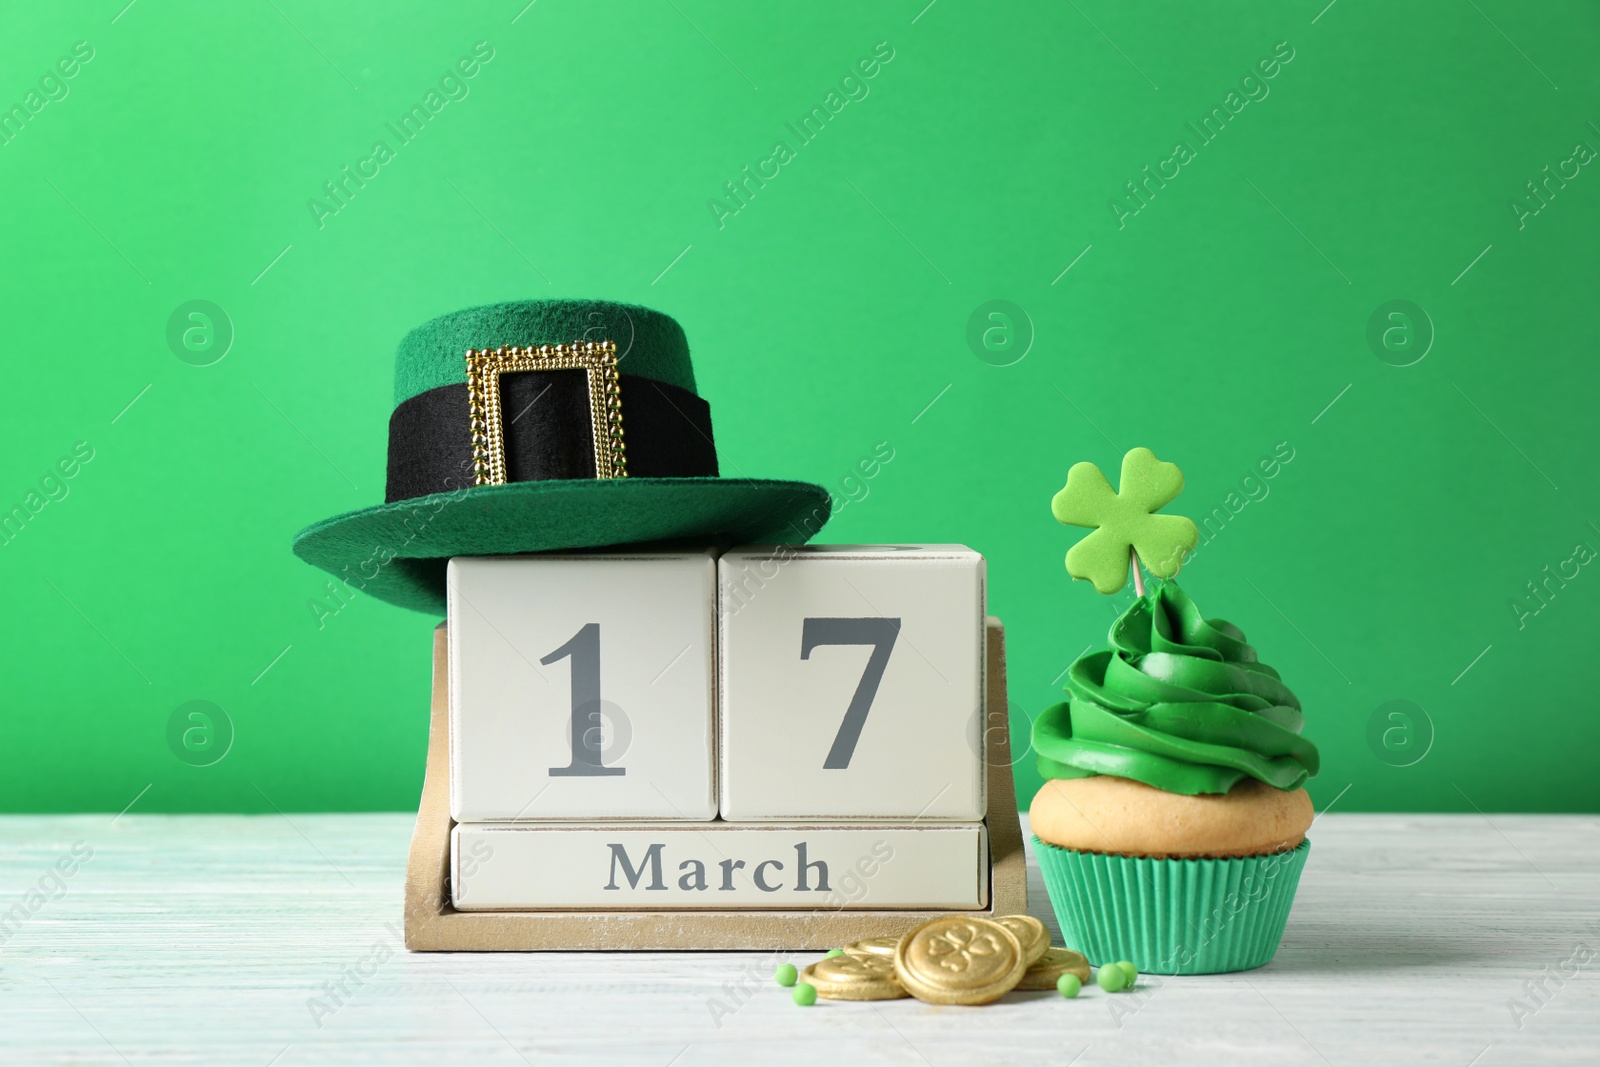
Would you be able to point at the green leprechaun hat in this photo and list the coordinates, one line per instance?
(546, 425)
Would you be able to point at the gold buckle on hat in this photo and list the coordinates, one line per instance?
(486, 365)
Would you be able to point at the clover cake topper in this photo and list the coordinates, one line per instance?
(1125, 526)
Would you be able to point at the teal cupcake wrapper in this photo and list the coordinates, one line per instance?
(1172, 916)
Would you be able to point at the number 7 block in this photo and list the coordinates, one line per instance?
(850, 683)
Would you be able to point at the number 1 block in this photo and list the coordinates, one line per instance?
(581, 687)
(851, 683)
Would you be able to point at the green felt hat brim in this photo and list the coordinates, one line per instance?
(398, 552)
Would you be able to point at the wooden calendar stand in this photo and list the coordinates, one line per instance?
(433, 925)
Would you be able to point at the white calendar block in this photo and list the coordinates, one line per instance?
(851, 683)
(792, 868)
(581, 687)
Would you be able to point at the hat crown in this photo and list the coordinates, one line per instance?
(462, 482)
(649, 343)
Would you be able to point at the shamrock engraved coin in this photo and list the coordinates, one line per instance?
(873, 946)
(1031, 934)
(854, 978)
(958, 959)
(1051, 966)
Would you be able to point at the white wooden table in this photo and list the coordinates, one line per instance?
(211, 940)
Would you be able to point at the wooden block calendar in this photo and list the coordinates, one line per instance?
(572, 746)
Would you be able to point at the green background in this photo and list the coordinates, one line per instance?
(829, 314)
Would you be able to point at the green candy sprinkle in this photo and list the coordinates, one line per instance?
(1068, 985)
(785, 974)
(805, 994)
(832, 952)
(1130, 971)
(1111, 977)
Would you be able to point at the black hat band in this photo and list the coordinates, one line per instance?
(547, 432)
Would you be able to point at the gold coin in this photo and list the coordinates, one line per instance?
(1051, 966)
(1030, 932)
(854, 978)
(872, 946)
(959, 959)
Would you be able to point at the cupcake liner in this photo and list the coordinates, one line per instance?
(1172, 916)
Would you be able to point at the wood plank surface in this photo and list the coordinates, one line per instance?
(216, 940)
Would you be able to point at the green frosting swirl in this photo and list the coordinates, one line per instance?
(1177, 702)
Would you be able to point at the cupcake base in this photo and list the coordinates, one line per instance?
(1172, 916)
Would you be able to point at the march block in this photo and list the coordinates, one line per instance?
(850, 682)
(581, 687)
(790, 868)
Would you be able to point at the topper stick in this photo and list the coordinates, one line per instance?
(1138, 579)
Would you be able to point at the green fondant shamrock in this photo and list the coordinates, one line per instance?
(1125, 519)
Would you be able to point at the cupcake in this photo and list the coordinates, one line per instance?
(1171, 828)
